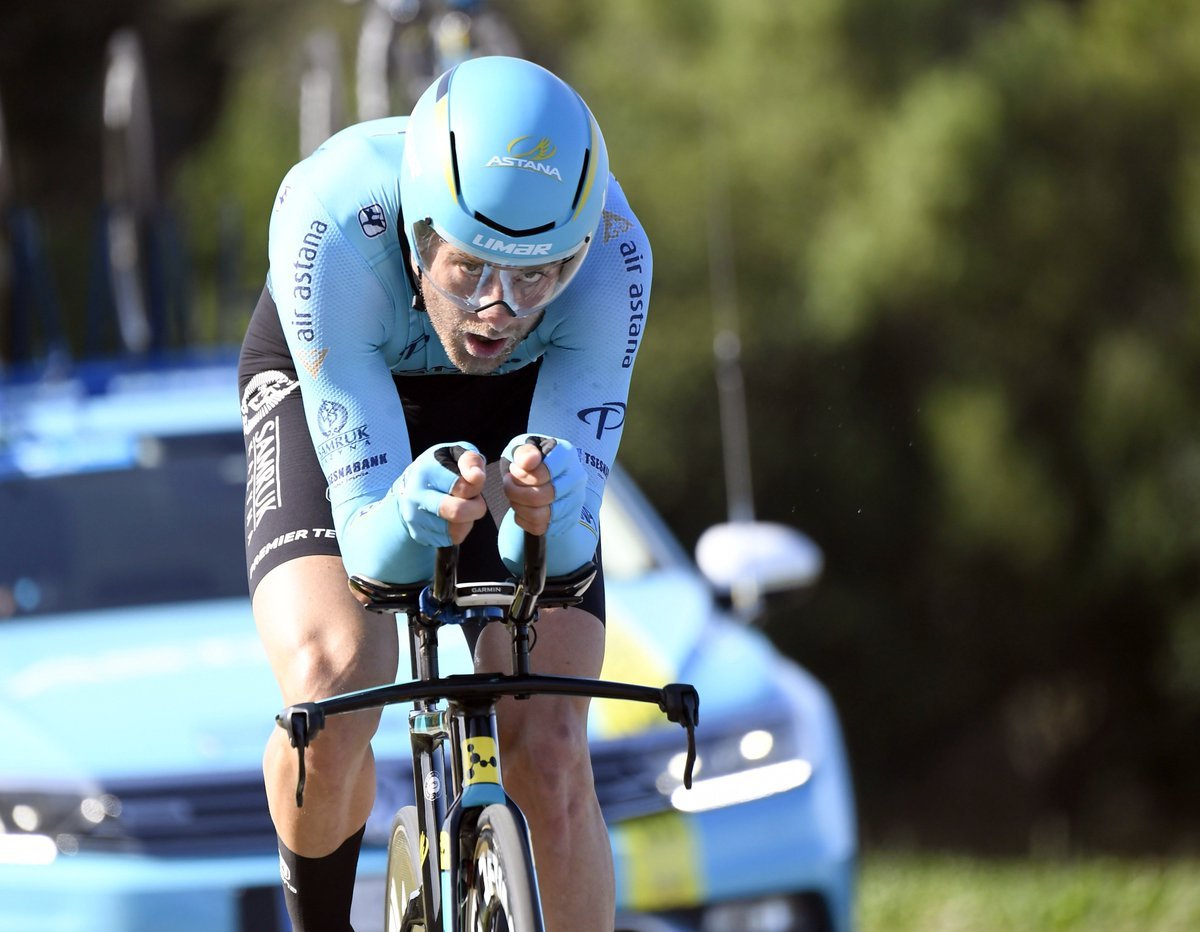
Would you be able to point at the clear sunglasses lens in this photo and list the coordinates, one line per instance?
(473, 284)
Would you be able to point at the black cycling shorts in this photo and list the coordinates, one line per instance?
(287, 506)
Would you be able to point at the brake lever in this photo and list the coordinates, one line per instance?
(302, 723)
(681, 703)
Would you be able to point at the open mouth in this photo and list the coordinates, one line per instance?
(485, 347)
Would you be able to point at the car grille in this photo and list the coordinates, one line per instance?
(228, 814)
(182, 818)
(626, 772)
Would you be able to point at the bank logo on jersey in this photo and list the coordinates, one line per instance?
(372, 220)
(331, 418)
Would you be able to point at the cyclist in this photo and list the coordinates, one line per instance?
(441, 288)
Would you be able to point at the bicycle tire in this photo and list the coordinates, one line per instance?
(500, 891)
(403, 878)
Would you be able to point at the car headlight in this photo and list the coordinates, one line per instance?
(36, 827)
(737, 767)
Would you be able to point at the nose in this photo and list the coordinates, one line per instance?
(497, 316)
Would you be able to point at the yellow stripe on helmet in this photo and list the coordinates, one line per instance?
(441, 117)
(591, 169)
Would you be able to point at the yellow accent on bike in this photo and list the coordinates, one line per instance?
(479, 761)
(444, 850)
(659, 858)
(424, 847)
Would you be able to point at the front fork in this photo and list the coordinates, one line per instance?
(428, 731)
(477, 779)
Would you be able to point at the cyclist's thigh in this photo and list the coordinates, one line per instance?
(318, 639)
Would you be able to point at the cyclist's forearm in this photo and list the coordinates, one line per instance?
(565, 552)
(374, 545)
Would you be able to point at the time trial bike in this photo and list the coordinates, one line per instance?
(461, 858)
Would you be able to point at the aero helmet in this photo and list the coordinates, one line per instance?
(503, 160)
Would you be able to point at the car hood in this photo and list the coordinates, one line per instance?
(664, 628)
(185, 688)
(134, 691)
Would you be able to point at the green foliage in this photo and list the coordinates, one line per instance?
(966, 247)
(944, 894)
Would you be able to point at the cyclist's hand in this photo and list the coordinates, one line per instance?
(464, 504)
(544, 483)
(440, 494)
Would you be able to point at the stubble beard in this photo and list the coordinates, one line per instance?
(453, 326)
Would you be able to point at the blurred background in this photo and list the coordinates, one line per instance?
(960, 243)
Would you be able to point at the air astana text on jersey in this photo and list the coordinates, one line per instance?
(637, 300)
(302, 277)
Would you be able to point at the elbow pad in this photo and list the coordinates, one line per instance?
(570, 539)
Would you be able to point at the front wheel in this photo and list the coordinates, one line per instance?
(501, 891)
(402, 890)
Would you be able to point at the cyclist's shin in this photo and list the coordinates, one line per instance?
(318, 891)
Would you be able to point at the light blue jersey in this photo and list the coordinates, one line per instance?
(345, 300)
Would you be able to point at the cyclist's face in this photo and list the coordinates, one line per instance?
(472, 283)
(477, 343)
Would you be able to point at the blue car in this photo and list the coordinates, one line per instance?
(136, 698)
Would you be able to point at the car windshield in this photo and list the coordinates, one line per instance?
(166, 527)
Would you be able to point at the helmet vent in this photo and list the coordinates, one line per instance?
(508, 231)
(587, 154)
(454, 166)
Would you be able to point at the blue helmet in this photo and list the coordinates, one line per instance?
(503, 160)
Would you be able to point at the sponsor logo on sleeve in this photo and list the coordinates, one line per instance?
(312, 360)
(604, 417)
(353, 470)
(331, 421)
(615, 225)
(304, 278)
(632, 256)
(331, 417)
(372, 220)
(588, 520)
(593, 462)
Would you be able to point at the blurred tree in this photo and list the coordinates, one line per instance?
(967, 257)
(51, 83)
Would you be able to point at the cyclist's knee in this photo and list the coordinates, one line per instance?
(318, 669)
(548, 748)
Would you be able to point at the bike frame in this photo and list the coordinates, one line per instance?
(469, 717)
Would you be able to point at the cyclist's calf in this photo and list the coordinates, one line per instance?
(320, 642)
